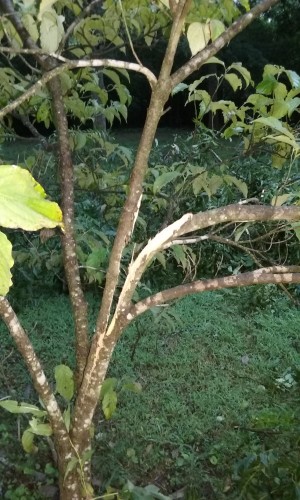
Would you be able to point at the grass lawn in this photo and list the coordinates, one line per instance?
(201, 383)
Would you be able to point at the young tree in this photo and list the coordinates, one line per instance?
(58, 38)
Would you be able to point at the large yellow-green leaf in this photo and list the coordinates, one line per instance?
(20, 408)
(31, 26)
(27, 442)
(45, 6)
(198, 35)
(51, 30)
(234, 81)
(272, 122)
(6, 262)
(216, 28)
(243, 72)
(39, 428)
(22, 201)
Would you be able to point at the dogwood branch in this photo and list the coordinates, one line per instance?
(70, 64)
(191, 223)
(264, 276)
(33, 364)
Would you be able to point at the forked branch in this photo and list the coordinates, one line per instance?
(190, 223)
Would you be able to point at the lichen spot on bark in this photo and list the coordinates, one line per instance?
(52, 407)
(41, 379)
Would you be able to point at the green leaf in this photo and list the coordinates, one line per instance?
(6, 262)
(179, 88)
(179, 254)
(112, 75)
(161, 259)
(293, 77)
(293, 104)
(198, 35)
(245, 4)
(276, 124)
(31, 26)
(67, 417)
(241, 185)
(215, 183)
(64, 381)
(20, 408)
(108, 385)
(277, 201)
(39, 428)
(214, 60)
(71, 466)
(279, 109)
(280, 91)
(234, 81)
(43, 113)
(271, 70)
(283, 139)
(27, 442)
(163, 180)
(240, 231)
(267, 85)
(243, 72)
(51, 31)
(296, 227)
(97, 257)
(132, 386)
(200, 183)
(109, 404)
(45, 5)
(22, 201)
(216, 28)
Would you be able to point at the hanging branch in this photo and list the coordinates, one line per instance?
(70, 64)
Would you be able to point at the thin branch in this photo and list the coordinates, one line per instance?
(69, 64)
(128, 34)
(259, 277)
(33, 364)
(190, 223)
(187, 69)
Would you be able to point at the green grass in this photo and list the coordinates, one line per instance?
(201, 383)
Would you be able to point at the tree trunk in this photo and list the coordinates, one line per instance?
(74, 478)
